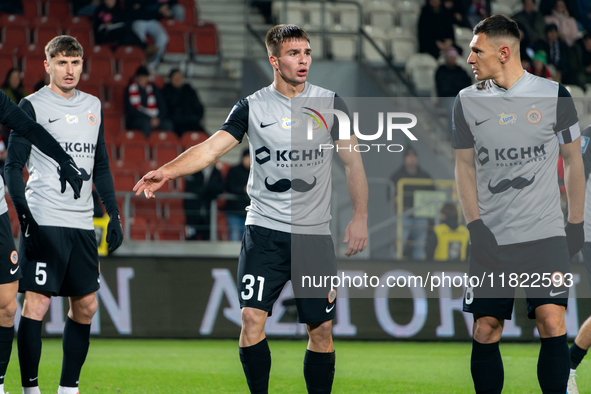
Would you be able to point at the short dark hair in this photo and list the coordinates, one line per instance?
(63, 45)
(449, 210)
(277, 35)
(498, 26)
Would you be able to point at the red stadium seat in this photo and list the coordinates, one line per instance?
(128, 67)
(174, 211)
(123, 179)
(33, 69)
(158, 81)
(77, 22)
(190, 138)
(129, 52)
(59, 8)
(177, 47)
(190, 12)
(7, 62)
(205, 39)
(162, 137)
(31, 50)
(223, 167)
(102, 51)
(84, 36)
(223, 229)
(44, 29)
(149, 209)
(113, 126)
(115, 87)
(17, 35)
(99, 68)
(140, 229)
(31, 9)
(165, 153)
(46, 21)
(132, 136)
(7, 48)
(133, 153)
(169, 233)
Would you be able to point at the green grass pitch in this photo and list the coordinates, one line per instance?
(212, 366)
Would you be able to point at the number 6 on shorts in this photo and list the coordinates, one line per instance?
(249, 287)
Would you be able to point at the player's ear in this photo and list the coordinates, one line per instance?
(504, 54)
(46, 65)
(274, 62)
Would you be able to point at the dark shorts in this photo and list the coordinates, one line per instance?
(9, 266)
(532, 262)
(69, 266)
(270, 258)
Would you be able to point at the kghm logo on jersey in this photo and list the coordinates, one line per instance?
(513, 156)
(289, 123)
(507, 119)
(71, 119)
(534, 116)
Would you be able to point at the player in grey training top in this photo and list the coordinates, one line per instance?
(508, 132)
(290, 209)
(64, 259)
(582, 342)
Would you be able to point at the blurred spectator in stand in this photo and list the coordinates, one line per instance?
(583, 47)
(111, 26)
(184, 107)
(449, 80)
(144, 17)
(236, 182)
(566, 24)
(538, 67)
(11, 6)
(456, 9)
(171, 9)
(42, 83)
(584, 14)
(13, 85)
(85, 7)
(145, 109)
(556, 51)
(265, 10)
(525, 48)
(531, 20)
(435, 26)
(476, 12)
(414, 229)
(449, 240)
(207, 185)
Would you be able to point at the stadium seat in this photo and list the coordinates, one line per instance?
(223, 229)
(190, 138)
(403, 44)
(78, 22)
(132, 136)
(165, 153)
(33, 69)
(140, 229)
(463, 36)
(7, 62)
(91, 86)
(158, 81)
(149, 209)
(380, 14)
(204, 40)
(113, 126)
(115, 87)
(123, 179)
(407, 13)
(163, 137)
(8, 48)
(84, 36)
(319, 50)
(223, 167)
(100, 51)
(177, 47)
(133, 153)
(129, 52)
(99, 68)
(128, 67)
(420, 68)
(190, 12)
(169, 232)
(345, 17)
(174, 211)
(500, 8)
(17, 35)
(378, 35)
(31, 9)
(14, 20)
(31, 50)
(58, 8)
(44, 29)
(343, 47)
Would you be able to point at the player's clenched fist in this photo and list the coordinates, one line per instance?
(484, 247)
(149, 183)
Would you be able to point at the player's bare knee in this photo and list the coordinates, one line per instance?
(321, 333)
(487, 329)
(551, 327)
(36, 305)
(253, 319)
(8, 311)
(83, 309)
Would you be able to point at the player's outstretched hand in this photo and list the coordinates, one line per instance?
(149, 183)
(484, 246)
(70, 173)
(30, 235)
(356, 236)
(575, 237)
(114, 233)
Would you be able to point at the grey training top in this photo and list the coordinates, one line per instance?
(515, 135)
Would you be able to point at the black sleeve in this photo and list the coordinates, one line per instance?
(237, 122)
(566, 117)
(103, 181)
(586, 150)
(16, 118)
(461, 135)
(18, 153)
(340, 104)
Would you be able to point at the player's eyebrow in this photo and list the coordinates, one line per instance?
(474, 48)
